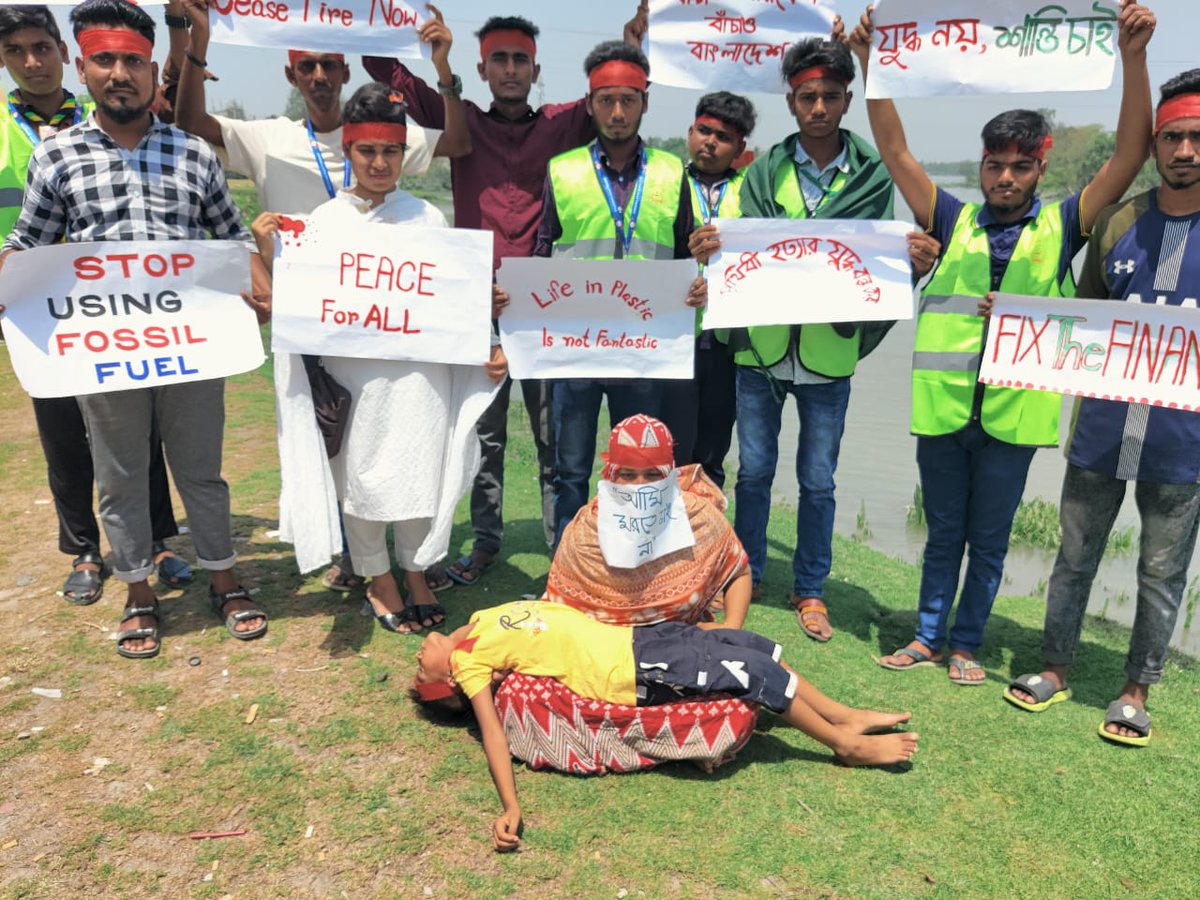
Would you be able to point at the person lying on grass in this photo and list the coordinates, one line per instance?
(645, 666)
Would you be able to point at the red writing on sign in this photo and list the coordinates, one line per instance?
(369, 272)
(126, 265)
(377, 317)
(129, 339)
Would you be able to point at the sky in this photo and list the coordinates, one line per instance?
(939, 129)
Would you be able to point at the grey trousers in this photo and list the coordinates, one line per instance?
(1169, 515)
(191, 419)
(487, 493)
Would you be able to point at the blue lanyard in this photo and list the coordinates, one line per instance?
(322, 168)
(25, 127)
(625, 234)
(706, 214)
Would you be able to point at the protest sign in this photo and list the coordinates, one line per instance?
(383, 291)
(76, 3)
(731, 45)
(1136, 352)
(598, 318)
(104, 316)
(792, 271)
(929, 48)
(638, 523)
(382, 27)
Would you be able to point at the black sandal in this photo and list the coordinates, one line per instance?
(133, 634)
(391, 621)
(434, 612)
(84, 587)
(219, 600)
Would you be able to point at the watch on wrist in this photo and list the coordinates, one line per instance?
(453, 89)
(176, 21)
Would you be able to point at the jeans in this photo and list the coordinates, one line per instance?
(822, 411)
(971, 484)
(575, 410)
(1169, 517)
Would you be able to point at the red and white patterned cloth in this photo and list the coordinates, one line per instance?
(550, 727)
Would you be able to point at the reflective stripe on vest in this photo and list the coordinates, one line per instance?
(949, 342)
(587, 226)
(821, 349)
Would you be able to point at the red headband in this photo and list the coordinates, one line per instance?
(383, 132)
(717, 125)
(617, 73)
(1181, 106)
(815, 72)
(294, 56)
(435, 690)
(639, 442)
(1038, 154)
(506, 37)
(114, 40)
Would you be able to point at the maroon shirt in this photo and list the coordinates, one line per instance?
(498, 186)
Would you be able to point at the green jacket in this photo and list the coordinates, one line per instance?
(15, 151)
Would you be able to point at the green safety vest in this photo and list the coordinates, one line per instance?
(587, 225)
(820, 348)
(731, 208)
(15, 151)
(949, 343)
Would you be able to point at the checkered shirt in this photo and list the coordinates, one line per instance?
(83, 186)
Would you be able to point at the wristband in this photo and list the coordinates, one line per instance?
(453, 89)
(177, 21)
(194, 59)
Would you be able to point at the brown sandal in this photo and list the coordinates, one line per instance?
(811, 609)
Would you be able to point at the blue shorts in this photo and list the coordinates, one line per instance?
(674, 660)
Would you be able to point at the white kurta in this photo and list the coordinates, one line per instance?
(410, 450)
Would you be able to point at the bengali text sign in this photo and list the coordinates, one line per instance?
(639, 523)
(384, 27)
(1136, 352)
(926, 48)
(383, 291)
(792, 271)
(106, 316)
(598, 318)
(733, 45)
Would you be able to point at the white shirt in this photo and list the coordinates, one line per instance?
(276, 155)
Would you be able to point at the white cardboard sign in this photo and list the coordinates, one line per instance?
(639, 523)
(381, 27)
(598, 318)
(383, 291)
(102, 316)
(793, 271)
(929, 48)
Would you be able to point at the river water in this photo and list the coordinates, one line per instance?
(877, 472)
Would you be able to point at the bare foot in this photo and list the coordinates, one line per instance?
(869, 721)
(878, 750)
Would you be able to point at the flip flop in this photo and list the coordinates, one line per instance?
(919, 659)
(964, 665)
(423, 611)
(470, 568)
(437, 580)
(172, 570)
(1041, 688)
(811, 607)
(1126, 714)
(337, 579)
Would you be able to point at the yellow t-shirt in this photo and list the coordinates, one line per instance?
(593, 659)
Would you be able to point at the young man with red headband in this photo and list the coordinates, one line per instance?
(975, 443)
(499, 187)
(33, 52)
(121, 175)
(614, 198)
(1141, 251)
(822, 171)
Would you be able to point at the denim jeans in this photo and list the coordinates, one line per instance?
(575, 411)
(1169, 516)
(971, 483)
(822, 411)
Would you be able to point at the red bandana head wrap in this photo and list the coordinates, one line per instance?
(617, 73)
(814, 72)
(114, 40)
(435, 690)
(1181, 106)
(294, 56)
(639, 442)
(506, 37)
(716, 124)
(381, 132)
(1039, 154)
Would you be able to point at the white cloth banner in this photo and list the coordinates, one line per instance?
(734, 45)
(793, 271)
(1136, 352)
(383, 291)
(76, 3)
(95, 317)
(598, 318)
(638, 523)
(929, 48)
(381, 27)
